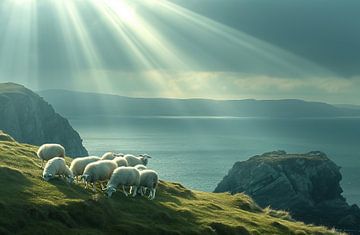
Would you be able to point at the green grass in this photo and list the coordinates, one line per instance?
(29, 205)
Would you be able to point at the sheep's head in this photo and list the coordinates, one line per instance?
(70, 179)
(144, 158)
(47, 176)
(109, 191)
(85, 178)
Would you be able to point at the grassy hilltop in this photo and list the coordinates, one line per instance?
(29, 205)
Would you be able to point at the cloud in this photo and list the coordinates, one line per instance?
(220, 85)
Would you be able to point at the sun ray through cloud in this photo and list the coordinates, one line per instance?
(18, 57)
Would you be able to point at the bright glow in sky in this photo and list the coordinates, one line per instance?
(157, 48)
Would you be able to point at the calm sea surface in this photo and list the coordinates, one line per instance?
(199, 151)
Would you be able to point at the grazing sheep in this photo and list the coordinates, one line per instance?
(111, 156)
(78, 165)
(49, 151)
(98, 171)
(140, 167)
(123, 176)
(133, 161)
(57, 166)
(120, 161)
(149, 179)
(141, 190)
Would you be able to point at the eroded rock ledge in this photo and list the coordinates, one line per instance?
(306, 185)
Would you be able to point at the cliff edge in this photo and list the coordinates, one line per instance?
(28, 118)
(306, 185)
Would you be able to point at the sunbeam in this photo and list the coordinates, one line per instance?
(18, 41)
(102, 44)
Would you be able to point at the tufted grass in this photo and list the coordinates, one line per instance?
(29, 205)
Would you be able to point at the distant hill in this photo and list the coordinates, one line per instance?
(72, 103)
(347, 106)
(30, 205)
(30, 119)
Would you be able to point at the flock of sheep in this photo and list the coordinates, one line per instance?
(118, 169)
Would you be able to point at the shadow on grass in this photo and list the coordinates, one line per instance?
(117, 215)
(91, 213)
(13, 186)
(72, 191)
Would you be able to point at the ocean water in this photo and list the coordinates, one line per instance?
(199, 151)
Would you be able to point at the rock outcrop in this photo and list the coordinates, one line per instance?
(29, 119)
(306, 185)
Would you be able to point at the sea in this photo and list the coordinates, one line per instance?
(199, 151)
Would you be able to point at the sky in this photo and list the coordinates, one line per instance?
(229, 49)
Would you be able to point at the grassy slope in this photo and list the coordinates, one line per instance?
(30, 205)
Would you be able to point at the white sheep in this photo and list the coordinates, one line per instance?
(57, 166)
(78, 165)
(98, 171)
(149, 179)
(133, 161)
(49, 151)
(111, 156)
(140, 167)
(123, 176)
(120, 161)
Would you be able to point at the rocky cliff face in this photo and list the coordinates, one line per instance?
(29, 119)
(306, 185)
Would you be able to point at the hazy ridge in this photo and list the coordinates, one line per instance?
(73, 103)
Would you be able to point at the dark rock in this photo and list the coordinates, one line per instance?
(306, 185)
(29, 119)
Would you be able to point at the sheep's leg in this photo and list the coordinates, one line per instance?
(134, 190)
(143, 191)
(86, 184)
(153, 194)
(94, 187)
(123, 187)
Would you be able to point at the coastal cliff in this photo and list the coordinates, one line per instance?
(306, 185)
(28, 118)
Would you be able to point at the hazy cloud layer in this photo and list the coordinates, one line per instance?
(326, 32)
(223, 85)
(212, 49)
